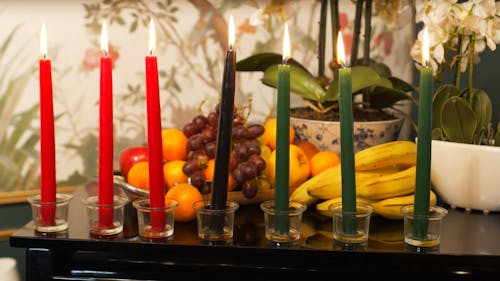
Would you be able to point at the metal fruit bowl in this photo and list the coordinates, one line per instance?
(134, 193)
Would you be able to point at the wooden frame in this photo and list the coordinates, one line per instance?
(13, 197)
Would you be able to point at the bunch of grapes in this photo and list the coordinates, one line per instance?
(246, 165)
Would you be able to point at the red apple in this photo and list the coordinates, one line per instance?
(131, 155)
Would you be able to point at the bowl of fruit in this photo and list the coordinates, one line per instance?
(189, 157)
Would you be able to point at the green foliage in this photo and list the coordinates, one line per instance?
(19, 163)
(374, 81)
(462, 116)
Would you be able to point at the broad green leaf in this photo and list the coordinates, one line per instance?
(262, 61)
(482, 108)
(362, 77)
(441, 95)
(458, 120)
(437, 134)
(381, 69)
(497, 136)
(401, 84)
(301, 82)
(382, 97)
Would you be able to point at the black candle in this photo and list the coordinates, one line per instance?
(223, 149)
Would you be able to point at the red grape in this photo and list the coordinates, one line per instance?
(254, 131)
(241, 151)
(210, 149)
(198, 179)
(200, 122)
(189, 129)
(195, 142)
(258, 162)
(249, 189)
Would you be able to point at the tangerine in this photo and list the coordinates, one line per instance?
(322, 161)
(173, 174)
(186, 195)
(138, 175)
(270, 133)
(209, 175)
(309, 148)
(174, 144)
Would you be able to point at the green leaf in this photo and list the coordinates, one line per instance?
(262, 61)
(383, 97)
(381, 69)
(458, 120)
(497, 136)
(301, 82)
(401, 84)
(437, 134)
(482, 109)
(362, 77)
(441, 95)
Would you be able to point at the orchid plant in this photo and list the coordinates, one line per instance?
(458, 33)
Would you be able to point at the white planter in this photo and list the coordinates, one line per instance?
(326, 134)
(466, 176)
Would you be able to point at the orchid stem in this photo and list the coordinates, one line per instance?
(458, 62)
(368, 32)
(322, 38)
(334, 14)
(357, 31)
(471, 70)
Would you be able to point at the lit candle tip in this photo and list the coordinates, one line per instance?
(230, 37)
(43, 41)
(286, 45)
(152, 37)
(104, 39)
(340, 51)
(425, 48)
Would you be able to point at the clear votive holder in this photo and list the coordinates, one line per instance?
(50, 217)
(146, 216)
(423, 230)
(282, 226)
(105, 220)
(351, 228)
(213, 224)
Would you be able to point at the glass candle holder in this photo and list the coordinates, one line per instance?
(291, 219)
(144, 217)
(50, 217)
(423, 230)
(98, 227)
(351, 227)
(213, 224)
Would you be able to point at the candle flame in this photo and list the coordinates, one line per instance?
(230, 37)
(152, 37)
(340, 50)
(104, 39)
(43, 41)
(425, 47)
(286, 45)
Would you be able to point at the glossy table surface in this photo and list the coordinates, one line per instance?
(469, 246)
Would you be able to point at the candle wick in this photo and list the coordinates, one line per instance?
(230, 47)
(105, 53)
(44, 56)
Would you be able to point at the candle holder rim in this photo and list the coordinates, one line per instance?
(93, 201)
(61, 199)
(361, 208)
(298, 208)
(203, 204)
(435, 212)
(171, 205)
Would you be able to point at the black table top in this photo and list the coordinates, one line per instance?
(468, 242)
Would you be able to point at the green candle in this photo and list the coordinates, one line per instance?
(282, 140)
(422, 181)
(346, 142)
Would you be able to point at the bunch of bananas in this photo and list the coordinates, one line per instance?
(385, 178)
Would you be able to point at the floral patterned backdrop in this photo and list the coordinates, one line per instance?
(192, 38)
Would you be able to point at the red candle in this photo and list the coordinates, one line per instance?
(47, 142)
(155, 154)
(105, 152)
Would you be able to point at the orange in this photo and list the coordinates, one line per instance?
(322, 161)
(173, 174)
(186, 195)
(138, 175)
(209, 175)
(308, 147)
(209, 170)
(299, 170)
(270, 133)
(174, 144)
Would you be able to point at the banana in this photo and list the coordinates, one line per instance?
(386, 154)
(387, 186)
(328, 185)
(322, 207)
(391, 208)
(301, 195)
